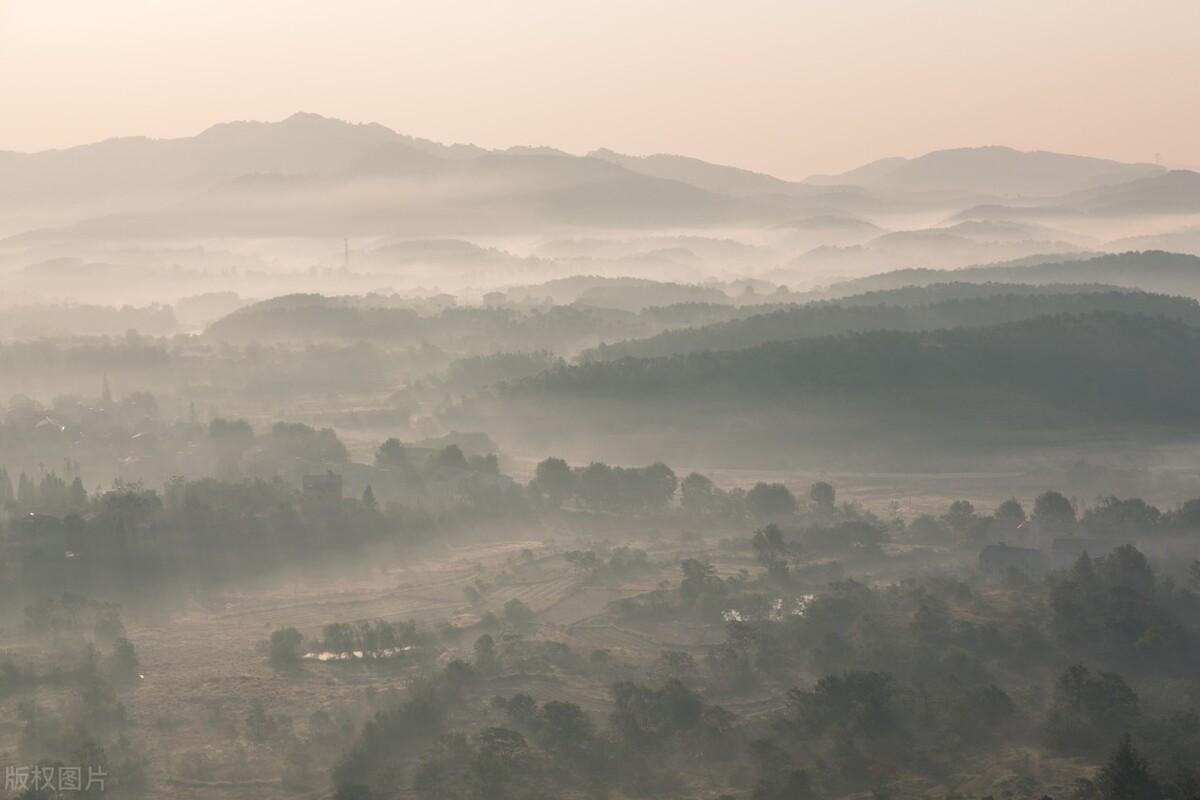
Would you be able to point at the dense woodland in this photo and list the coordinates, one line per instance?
(877, 683)
(832, 318)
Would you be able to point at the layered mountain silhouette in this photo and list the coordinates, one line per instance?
(713, 177)
(316, 146)
(312, 176)
(1000, 171)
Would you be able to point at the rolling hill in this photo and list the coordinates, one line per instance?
(945, 399)
(713, 177)
(994, 170)
(1151, 270)
(861, 314)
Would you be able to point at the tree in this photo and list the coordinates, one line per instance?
(677, 664)
(554, 479)
(960, 516)
(596, 485)
(446, 772)
(1090, 709)
(518, 614)
(499, 761)
(339, 637)
(602, 486)
(822, 495)
(78, 495)
(1116, 518)
(858, 704)
(391, 454)
(1010, 514)
(230, 440)
(486, 660)
(488, 464)
(450, 458)
(566, 729)
(123, 663)
(6, 488)
(231, 432)
(259, 726)
(646, 717)
(1187, 516)
(295, 441)
(658, 485)
(26, 492)
(521, 710)
(1053, 513)
(368, 498)
(928, 529)
(1126, 568)
(701, 586)
(777, 780)
(772, 550)
(770, 500)
(698, 494)
(1126, 776)
(285, 648)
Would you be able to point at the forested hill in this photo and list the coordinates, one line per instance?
(1104, 365)
(825, 319)
(1150, 270)
(921, 293)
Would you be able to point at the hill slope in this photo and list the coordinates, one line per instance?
(939, 400)
(1151, 270)
(822, 319)
(993, 170)
(713, 177)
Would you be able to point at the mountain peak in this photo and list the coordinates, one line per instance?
(298, 121)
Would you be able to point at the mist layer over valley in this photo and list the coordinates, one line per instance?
(340, 463)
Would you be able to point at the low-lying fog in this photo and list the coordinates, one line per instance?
(340, 464)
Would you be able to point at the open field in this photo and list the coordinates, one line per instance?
(204, 667)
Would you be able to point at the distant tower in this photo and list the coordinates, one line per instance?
(346, 254)
(105, 392)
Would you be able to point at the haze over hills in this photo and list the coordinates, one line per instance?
(1151, 270)
(713, 177)
(998, 303)
(312, 145)
(859, 176)
(993, 170)
(119, 174)
(332, 153)
(280, 197)
(1181, 240)
(600, 455)
(1174, 192)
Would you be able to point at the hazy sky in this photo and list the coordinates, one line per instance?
(787, 87)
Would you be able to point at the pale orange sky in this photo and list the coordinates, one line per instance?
(786, 87)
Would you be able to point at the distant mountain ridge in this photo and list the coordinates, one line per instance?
(311, 144)
(713, 177)
(223, 173)
(994, 169)
(313, 176)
